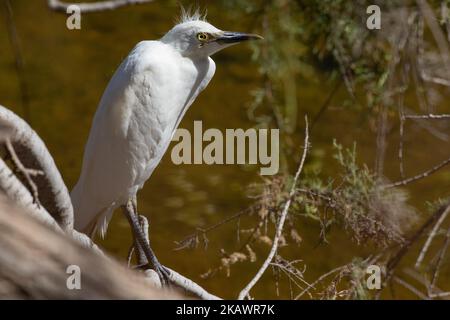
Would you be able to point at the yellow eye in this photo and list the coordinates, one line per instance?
(202, 36)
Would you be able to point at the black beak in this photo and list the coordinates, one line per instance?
(235, 37)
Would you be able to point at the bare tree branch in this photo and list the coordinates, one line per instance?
(320, 279)
(87, 7)
(34, 260)
(33, 154)
(435, 80)
(419, 176)
(395, 259)
(436, 31)
(423, 123)
(56, 209)
(244, 293)
(437, 267)
(428, 116)
(430, 238)
(27, 173)
(411, 288)
(437, 292)
(190, 286)
(17, 193)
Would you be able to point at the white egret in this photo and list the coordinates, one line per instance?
(138, 114)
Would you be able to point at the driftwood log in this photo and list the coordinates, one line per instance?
(34, 261)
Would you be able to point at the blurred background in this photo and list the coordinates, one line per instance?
(318, 59)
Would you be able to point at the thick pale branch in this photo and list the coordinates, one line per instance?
(34, 155)
(56, 210)
(17, 193)
(34, 263)
(190, 286)
(87, 7)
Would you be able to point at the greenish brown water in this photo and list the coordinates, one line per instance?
(67, 71)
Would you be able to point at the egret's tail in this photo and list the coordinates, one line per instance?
(89, 218)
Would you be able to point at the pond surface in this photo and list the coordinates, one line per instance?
(67, 71)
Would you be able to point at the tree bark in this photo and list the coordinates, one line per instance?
(34, 260)
(32, 152)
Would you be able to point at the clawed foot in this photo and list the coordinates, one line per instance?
(163, 274)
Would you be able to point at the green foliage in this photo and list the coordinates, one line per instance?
(307, 41)
(357, 202)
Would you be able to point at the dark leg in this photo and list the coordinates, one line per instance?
(131, 214)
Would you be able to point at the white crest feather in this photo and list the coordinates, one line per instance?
(188, 15)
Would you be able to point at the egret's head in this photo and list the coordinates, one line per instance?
(194, 37)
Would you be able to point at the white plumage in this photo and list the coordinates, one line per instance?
(138, 114)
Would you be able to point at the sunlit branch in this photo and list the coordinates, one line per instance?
(245, 292)
(87, 7)
(419, 176)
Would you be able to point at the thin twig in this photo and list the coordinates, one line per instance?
(26, 173)
(411, 288)
(430, 238)
(439, 295)
(428, 116)
(289, 268)
(53, 193)
(192, 238)
(402, 138)
(442, 253)
(437, 33)
(320, 279)
(419, 176)
(435, 80)
(244, 293)
(437, 292)
(423, 123)
(403, 250)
